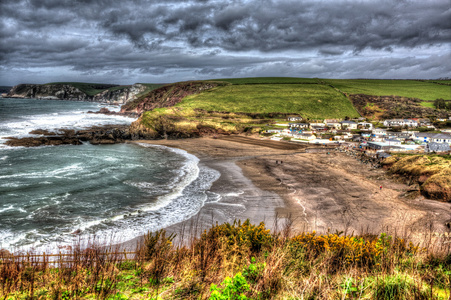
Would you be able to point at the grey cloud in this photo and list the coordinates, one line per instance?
(177, 38)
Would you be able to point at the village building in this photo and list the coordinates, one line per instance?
(427, 137)
(298, 126)
(294, 119)
(402, 136)
(334, 123)
(437, 147)
(365, 126)
(305, 136)
(348, 125)
(392, 142)
(274, 130)
(379, 131)
(401, 123)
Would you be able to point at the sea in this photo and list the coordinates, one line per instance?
(54, 196)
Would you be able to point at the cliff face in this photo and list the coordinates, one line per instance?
(70, 92)
(168, 95)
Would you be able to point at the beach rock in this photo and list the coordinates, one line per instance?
(96, 135)
(42, 132)
(106, 111)
(102, 141)
(42, 141)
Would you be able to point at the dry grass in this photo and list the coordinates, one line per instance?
(432, 172)
(243, 261)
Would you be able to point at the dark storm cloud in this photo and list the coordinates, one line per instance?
(288, 25)
(226, 38)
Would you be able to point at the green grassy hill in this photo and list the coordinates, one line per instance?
(404, 88)
(236, 105)
(309, 100)
(269, 80)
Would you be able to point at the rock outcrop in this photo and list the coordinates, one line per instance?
(108, 93)
(110, 134)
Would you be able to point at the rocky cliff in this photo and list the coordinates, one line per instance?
(97, 93)
(168, 95)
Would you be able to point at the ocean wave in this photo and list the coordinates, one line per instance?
(176, 196)
(21, 126)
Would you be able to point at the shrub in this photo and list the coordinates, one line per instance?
(232, 288)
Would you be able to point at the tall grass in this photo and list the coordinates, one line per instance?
(242, 261)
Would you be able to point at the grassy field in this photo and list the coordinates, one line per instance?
(269, 80)
(404, 88)
(429, 104)
(309, 100)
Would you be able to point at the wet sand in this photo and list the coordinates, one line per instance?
(277, 182)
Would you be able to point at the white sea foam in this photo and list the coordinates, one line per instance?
(185, 200)
(70, 119)
(188, 193)
(63, 172)
(6, 208)
(187, 174)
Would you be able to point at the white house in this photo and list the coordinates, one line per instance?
(379, 131)
(274, 130)
(401, 122)
(348, 125)
(433, 137)
(318, 124)
(294, 119)
(305, 136)
(442, 138)
(332, 123)
(392, 142)
(298, 125)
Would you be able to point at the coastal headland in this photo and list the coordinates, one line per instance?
(281, 183)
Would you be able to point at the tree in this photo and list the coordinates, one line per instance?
(440, 104)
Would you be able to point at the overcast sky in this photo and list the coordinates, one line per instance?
(128, 41)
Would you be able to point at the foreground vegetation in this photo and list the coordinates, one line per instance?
(431, 172)
(243, 261)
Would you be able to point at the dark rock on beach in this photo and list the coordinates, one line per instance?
(42, 141)
(106, 111)
(111, 134)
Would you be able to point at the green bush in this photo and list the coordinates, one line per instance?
(232, 289)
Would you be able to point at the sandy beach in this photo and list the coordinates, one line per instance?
(278, 182)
